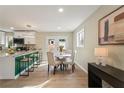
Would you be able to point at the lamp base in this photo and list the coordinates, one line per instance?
(97, 63)
(103, 64)
(101, 61)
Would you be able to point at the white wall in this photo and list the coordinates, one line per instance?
(86, 54)
(42, 36)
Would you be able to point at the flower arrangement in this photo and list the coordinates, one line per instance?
(61, 48)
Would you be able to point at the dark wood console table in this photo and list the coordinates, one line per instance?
(112, 75)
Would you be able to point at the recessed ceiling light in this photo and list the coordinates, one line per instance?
(59, 28)
(60, 10)
(11, 28)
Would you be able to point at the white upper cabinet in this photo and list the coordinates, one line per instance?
(29, 37)
(29, 40)
(19, 35)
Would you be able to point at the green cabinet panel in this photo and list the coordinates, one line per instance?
(20, 66)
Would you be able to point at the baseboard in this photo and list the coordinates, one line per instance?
(82, 68)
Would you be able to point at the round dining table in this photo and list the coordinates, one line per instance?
(62, 57)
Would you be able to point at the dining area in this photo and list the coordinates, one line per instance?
(62, 60)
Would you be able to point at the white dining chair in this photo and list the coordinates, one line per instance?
(70, 61)
(52, 62)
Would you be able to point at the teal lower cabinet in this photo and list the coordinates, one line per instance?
(21, 66)
(17, 65)
(11, 66)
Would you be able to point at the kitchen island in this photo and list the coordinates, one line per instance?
(10, 63)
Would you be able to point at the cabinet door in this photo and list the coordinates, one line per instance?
(32, 40)
(29, 40)
(19, 35)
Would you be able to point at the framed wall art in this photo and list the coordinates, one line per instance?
(111, 28)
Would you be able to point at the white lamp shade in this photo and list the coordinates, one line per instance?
(101, 52)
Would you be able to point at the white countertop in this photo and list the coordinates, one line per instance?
(3, 54)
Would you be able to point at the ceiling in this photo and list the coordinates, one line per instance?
(45, 18)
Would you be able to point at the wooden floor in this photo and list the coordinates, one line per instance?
(40, 79)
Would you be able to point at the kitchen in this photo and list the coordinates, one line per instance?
(14, 45)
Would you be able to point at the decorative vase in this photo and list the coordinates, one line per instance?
(61, 48)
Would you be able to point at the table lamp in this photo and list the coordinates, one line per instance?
(101, 54)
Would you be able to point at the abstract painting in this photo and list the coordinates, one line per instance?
(111, 28)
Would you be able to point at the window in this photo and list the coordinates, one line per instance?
(59, 41)
(62, 42)
(51, 41)
(2, 37)
(9, 41)
(80, 38)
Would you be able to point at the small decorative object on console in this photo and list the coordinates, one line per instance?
(101, 54)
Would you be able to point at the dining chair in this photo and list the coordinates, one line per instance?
(70, 62)
(52, 62)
